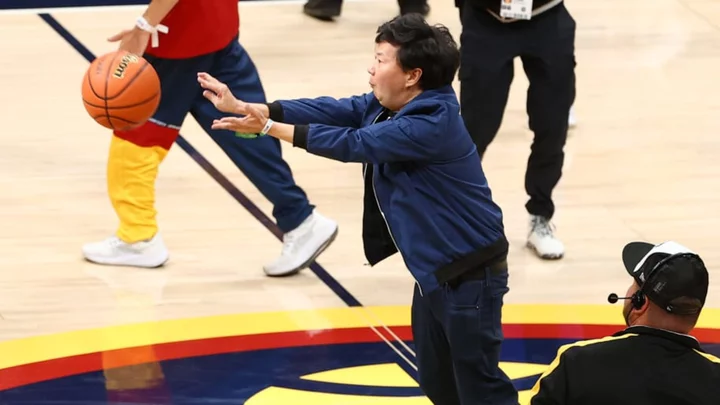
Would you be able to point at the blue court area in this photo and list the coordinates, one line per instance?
(330, 373)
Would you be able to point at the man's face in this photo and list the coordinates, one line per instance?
(387, 78)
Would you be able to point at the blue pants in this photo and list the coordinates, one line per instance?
(458, 333)
(260, 159)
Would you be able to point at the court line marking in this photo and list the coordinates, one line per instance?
(123, 336)
(223, 181)
(394, 336)
(226, 184)
(229, 187)
(698, 14)
(78, 342)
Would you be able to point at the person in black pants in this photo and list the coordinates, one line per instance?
(327, 10)
(492, 36)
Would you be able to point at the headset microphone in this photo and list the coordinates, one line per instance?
(613, 298)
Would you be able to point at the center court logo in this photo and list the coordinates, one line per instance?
(376, 384)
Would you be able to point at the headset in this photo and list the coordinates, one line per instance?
(638, 299)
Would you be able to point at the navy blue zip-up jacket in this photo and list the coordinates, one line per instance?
(426, 194)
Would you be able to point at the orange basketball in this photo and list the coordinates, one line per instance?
(121, 90)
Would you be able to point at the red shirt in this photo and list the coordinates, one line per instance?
(197, 27)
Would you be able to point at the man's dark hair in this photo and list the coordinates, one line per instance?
(422, 46)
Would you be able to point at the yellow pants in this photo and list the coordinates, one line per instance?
(133, 164)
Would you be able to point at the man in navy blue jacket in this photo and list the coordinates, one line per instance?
(425, 196)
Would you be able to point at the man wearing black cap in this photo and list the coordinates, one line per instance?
(654, 360)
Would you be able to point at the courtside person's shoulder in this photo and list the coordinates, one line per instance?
(601, 346)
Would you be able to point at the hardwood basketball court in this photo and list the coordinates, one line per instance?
(641, 165)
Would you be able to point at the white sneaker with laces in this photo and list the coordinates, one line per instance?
(303, 245)
(113, 251)
(542, 241)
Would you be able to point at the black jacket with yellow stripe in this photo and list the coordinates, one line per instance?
(637, 366)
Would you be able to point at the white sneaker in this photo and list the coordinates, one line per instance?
(542, 240)
(572, 119)
(303, 244)
(113, 251)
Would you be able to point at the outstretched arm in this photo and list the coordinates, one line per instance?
(222, 98)
(404, 139)
(345, 112)
(412, 137)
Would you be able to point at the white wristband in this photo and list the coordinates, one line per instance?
(267, 127)
(142, 23)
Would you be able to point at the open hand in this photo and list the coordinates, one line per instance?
(219, 94)
(134, 40)
(252, 123)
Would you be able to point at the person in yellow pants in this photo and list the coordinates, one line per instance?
(201, 36)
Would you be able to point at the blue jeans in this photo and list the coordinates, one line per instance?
(458, 333)
(260, 159)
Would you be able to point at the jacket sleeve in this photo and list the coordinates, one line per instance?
(408, 138)
(551, 388)
(344, 112)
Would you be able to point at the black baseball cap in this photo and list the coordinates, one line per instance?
(669, 274)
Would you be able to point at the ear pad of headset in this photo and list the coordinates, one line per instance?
(638, 300)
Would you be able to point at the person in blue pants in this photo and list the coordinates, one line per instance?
(135, 155)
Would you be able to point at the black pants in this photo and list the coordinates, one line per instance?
(546, 46)
(457, 332)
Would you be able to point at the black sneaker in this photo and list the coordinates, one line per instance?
(323, 10)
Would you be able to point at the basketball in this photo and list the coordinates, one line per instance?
(121, 90)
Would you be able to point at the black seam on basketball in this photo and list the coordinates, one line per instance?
(139, 72)
(87, 75)
(116, 118)
(123, 106)
(107, 81)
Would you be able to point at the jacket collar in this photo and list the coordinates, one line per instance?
(429, 97)
(440, 92)
(685, 340)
